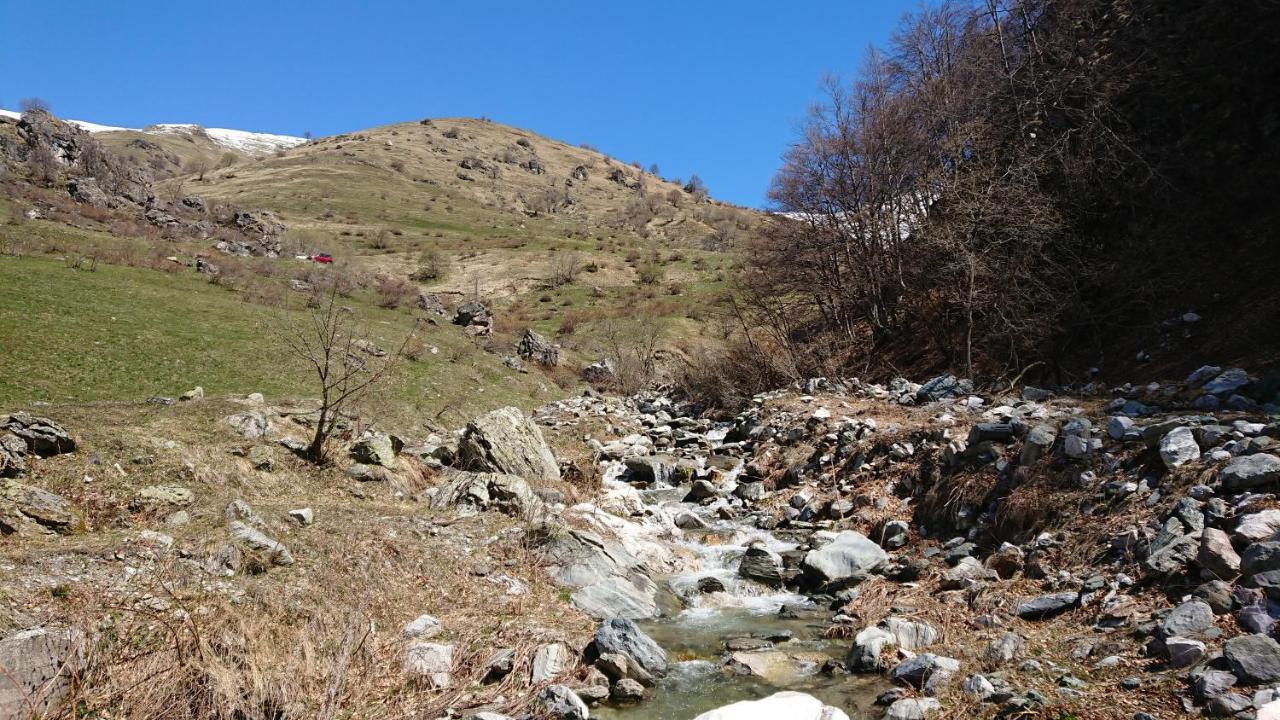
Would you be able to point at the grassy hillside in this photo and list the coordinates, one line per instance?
(123, 333)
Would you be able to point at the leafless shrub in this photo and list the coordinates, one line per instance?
(327, 339)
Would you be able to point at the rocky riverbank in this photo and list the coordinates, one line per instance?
(837, 549)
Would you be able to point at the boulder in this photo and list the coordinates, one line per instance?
(912, 709)
(49, 510)
(1172, 556)
(1216, 556)
(1004, 649)
(1183, 652)
(921, 669)
(561, 703)
(12, 448)
(164, 496)
(761, 564)
(1179, 447)
(788, 705)
(1190, 619)
(37, 668)
(423, 627)
(43, 436)
(849, 558)
(1254, 659)
(506, 441)
(620, 636)
(431, 663)
(1039, 442)
(1258, 526)
(651, 470)
(1049, 605)
(250, 425)
(378, 449)
(535, 348)
(869, 644)
(1250, 471)
(1260, 557)
(472, 313)
(1228, 381)
(475, 492)
(943, 386)
(549, 662)
(276, 551)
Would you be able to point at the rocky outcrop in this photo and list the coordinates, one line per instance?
(26, 508)
(507, 441)
(535, 348)
(477, 492)
(43, 436)
(37, 668)
(847, 559)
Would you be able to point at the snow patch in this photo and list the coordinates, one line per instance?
(248, 142)
(90, 127)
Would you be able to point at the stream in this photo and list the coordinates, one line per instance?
(694, 626)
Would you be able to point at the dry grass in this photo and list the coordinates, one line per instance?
(318, 639)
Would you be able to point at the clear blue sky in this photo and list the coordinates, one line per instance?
(713, 88)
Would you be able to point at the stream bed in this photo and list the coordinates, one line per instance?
(695, 625)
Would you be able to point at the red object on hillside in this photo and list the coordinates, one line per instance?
(322, 258)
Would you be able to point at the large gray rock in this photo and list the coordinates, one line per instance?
(1260, 557)
(1259, 526)
(1038, 444)
(1183, 652)
(1250, 471)
(535, 348)
(28, 503)
(478, 491)
(1190, 619)
(250, 425)
(561, 703)
(1216, 556)
(912, 709)
(869, 644)
(919, 670)
(379, 449)
(761, 564)
(1172, 556)
(36, 670)
(506, 441)
(607, 580)
(620, 636)
(1229, 381)
(1254, 659)
(779, 706)
(275, 550)
(850, 557)
(1179, 447)
(43, 436)
(12, 449)
(431, 663)
(1048, 605)
(548, 663)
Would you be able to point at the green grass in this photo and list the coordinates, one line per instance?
(122, 333)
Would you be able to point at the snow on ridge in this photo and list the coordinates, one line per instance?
(90, 127)
(242, 140)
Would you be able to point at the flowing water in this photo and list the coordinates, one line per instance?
(695, 625)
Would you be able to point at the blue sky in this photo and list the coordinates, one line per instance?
(713, 88)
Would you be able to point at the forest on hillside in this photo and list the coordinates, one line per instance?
(1050, 185)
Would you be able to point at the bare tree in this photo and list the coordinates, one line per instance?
(34, 104)
(198, 166)
(346, 365)
(565, 267)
